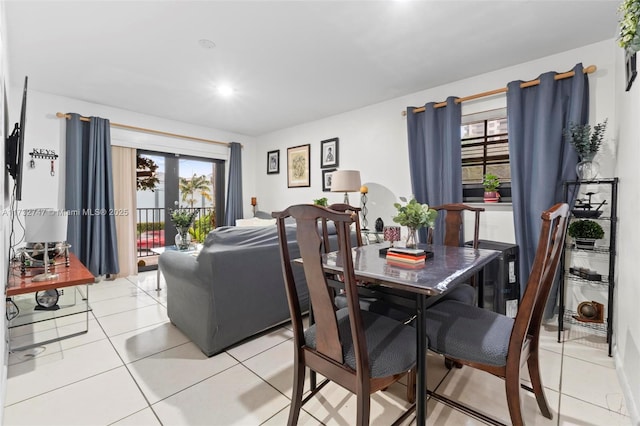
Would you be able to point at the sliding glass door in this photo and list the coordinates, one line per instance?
(169, 181)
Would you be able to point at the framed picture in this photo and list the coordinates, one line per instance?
(298, 162)
(329, 153)
(326, 179)
(631, 71)
(273, 162)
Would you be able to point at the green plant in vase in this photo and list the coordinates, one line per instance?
(414, 216)
(585, 232)
(183, 220)
(587, 142)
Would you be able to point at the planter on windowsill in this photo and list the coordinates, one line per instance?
(491, 197)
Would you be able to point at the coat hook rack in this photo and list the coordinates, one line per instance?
(46, 154)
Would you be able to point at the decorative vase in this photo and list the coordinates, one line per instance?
(412, 237)
(379, 224)
(183, 238)
(587, 169)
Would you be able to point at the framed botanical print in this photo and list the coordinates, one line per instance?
(329, 153)
(273, 162)
(298, 166)
(326, 179)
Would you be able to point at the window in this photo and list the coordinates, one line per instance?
(485, 149)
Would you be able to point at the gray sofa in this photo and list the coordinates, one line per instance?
(233, 289)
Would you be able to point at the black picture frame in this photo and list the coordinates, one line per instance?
(630, 69)
(326, 179)
(298, 166)
(273, 162)
(329, 153)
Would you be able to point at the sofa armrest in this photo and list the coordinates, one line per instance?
(190, 300)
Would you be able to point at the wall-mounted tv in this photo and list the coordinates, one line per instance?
(14, 147)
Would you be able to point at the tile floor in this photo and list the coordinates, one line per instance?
(134, 368)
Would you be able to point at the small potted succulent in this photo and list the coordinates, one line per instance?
(585, 232)
(491, 182)
(414, 216)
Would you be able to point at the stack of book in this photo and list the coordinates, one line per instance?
(406, 256)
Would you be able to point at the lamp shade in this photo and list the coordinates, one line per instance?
(45, 226)
(345, 181)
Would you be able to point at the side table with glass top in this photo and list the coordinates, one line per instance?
(193, 250)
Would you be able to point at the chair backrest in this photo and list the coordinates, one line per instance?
(543, 272)
(310, 243)
(343, 208)
(453, 229)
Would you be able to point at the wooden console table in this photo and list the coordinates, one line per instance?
(74, 275)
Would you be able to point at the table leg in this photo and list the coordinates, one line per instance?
(158, 279)
(421, 352)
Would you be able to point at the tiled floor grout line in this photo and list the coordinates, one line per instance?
(128, 371)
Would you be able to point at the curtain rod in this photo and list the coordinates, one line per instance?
(588, 70)
(142, 129)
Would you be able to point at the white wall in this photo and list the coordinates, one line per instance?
(627, 321)
(44, 130)
(374, 139)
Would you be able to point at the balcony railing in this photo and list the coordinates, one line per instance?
(151, 228)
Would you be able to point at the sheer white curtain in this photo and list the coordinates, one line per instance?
(124, 179)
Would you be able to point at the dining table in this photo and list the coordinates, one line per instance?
(446, 268)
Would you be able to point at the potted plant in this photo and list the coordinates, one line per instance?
(321, 202)
(414, 216)
(491, 182)
(585, 232)
(183, 220)
(629, 39)
(586, 143)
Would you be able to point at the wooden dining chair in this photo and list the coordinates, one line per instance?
(498, 344)
(344, 208)
(359, 350)
(454, 237)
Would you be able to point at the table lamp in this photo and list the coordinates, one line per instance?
(345, 181)
(48, 227)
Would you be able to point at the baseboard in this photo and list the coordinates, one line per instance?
(630, 402)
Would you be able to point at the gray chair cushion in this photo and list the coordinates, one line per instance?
(462, 293)
(391, 345)
(468, 332)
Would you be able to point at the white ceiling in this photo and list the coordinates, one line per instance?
(290, 61)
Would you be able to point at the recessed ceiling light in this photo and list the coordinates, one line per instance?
(206, 44)
(225, 90)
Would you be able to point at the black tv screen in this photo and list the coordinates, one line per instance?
(14, 146)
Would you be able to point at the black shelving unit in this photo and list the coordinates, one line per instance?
(607, 281)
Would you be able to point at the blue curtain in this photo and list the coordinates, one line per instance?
(435, 157)
(89, 194)
(541, 160)
(234, 190)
